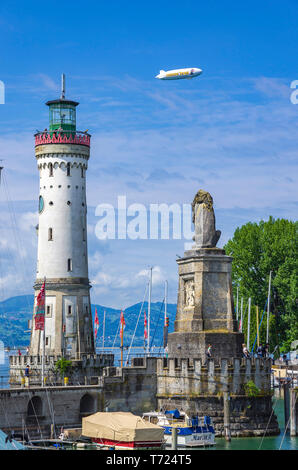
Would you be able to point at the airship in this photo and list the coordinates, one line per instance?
(177, 74)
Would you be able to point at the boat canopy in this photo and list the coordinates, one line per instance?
(121, 427)
(174, 413)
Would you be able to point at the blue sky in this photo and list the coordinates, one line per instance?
(232, 131)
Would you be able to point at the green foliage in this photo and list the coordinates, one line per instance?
(258, 249)
(63, 366)
(251, 390)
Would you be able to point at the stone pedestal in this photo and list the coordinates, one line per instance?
(205, 307)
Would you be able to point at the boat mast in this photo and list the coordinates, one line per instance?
(104, 323)
(248, 323)
(268, 309)
(165, 341)
(241, 318)
(149, 310)
(237, 303)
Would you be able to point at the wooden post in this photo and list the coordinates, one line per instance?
(286, 403)
(293, 412)
(174, 438)
(227, 431)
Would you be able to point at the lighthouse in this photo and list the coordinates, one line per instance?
(62, 153)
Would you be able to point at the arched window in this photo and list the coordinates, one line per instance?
(34, 407)
(50, 235)
(87, 404)
(50, 169)
(68, 169)
(82, 172)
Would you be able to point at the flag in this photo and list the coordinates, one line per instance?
(145, 326)
(122, 322)
(40, 309)
(96, 323)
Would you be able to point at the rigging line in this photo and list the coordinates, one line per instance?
(258, 332)
(127, 357)
(15, 229)
(156, 325)
(37, 420)
(116, 335)
(273, 408)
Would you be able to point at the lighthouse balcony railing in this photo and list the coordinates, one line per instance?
(62, 137)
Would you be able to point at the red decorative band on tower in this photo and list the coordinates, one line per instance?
(54, 137)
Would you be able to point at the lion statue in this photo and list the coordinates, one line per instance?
(204, 221)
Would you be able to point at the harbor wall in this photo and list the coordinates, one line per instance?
(197, 387)
(36, 409)
(194, 386)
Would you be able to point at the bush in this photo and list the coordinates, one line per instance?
(251, 389)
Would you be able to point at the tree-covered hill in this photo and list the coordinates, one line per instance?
(15, 313)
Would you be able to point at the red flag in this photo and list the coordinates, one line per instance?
(122, 322)
(96, 323)
(40, 308)
(145, 326)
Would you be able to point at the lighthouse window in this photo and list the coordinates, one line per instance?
(50, 169)
(68, 169)
(68, 203)
(50, 237)
(82, 172)
(69, 310)
(69, 264)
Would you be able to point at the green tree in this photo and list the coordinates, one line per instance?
(258, 249)
(63, 366)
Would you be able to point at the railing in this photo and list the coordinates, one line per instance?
(62, 137)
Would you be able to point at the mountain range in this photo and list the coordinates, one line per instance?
(15, 313)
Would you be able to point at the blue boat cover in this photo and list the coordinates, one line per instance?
(175, 413)
(5, 444)
(207, 420)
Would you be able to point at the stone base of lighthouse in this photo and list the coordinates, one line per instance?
(68, 319)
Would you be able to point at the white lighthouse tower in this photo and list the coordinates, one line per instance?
(62, 155)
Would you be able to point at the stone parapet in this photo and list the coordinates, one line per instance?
(185, 377)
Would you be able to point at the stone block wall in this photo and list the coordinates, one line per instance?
(85, 370)
(197, 388)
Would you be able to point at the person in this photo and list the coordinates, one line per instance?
(209, 351)
(27, 350)
(166, 351)
(245, 351)
(27, 372)
(19, 352)
(266, 350)
(260, 351)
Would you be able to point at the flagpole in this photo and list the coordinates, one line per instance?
(43, 336)
(268, 309)
(121, 346)
(149, 311)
